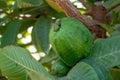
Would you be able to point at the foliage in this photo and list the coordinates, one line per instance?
(26, 23)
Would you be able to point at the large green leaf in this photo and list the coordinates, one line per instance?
(107, 51)
(110, 3)
(11, 69)
(10, 34)
(22, 58)
(40, 34)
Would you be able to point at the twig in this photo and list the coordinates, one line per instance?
(25, 18)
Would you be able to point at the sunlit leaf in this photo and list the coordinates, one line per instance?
(21, 59)
(54, 6)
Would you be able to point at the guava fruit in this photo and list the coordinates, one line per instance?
(71, 40)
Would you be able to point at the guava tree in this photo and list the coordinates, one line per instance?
(79, 38)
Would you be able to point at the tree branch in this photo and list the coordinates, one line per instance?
(71, 11)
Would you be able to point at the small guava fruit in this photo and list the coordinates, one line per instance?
(71, 40)
(59, 68)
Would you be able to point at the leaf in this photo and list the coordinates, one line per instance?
(40, 34)
(107, 52)
(37, 76)
(3, 20)
(10, 34)
(82, 71)
(21, 57)
(26, 24)
(110, 3)
(108, 28)
(49, 57)
(115, 17)
(10, 69)
(3, 4)
(116, 30)
(29, 3)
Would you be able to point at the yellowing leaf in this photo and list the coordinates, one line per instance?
(54, 6)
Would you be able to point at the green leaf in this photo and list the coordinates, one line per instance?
(11, 69)
(115, 17)
(49, 57)
(116, 30)
(22, 58)
(108, 28)
(82, 71)
(37, 76)
(26, 24)
(40, 34)
(29, 3)
(10, 34)
(115, 72)
(107, 52)
(3, 20)
(91, 2)
(3, 4)
(111, 3)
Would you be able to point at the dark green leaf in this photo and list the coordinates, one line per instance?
(26, 24)
(3, 20)
(10, 34)
(40, 33)
(3, 4)
(115, 18)
(110, 3)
